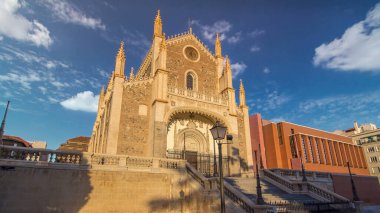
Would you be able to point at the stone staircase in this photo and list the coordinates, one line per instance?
(270, 192)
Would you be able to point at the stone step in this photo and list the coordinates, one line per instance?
(270, 192)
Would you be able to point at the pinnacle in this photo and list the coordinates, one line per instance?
(121, 50)
(158, 16)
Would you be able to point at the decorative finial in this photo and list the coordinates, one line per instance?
(242, 94)
(228, 66)
(120, 53)
(190, 30)
(218, 46)
(158, 24)
(132, 75)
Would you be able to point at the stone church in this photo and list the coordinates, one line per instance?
(178, 93)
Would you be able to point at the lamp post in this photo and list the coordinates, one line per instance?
(259, 200)
(261, 158)
(218, 132)
(303, 169)
(215, 172)
(355, 196)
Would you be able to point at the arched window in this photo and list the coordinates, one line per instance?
(189, 81)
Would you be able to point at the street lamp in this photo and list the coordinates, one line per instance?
(215, 172)
(303, 169)
(259, 200)
(218, 132)
(355, 196)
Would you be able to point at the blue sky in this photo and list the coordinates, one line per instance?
(315, 63)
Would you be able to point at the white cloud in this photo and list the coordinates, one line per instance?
(358, 49)
(235, 38)
(103, 73)
(84, 101)
(209, 31)
(24, 79)
(43, 89)
(254, 49)
(16, 26)
(70, 14)
(266, 70)
(256, 33)
(278, 119)
(271, 101)
(353, 103)
(238, 68)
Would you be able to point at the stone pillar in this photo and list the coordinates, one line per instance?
(158, 125)
(114, 122)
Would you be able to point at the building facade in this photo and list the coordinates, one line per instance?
(283, 144)
(368, 137)
(10, 140)
(79, 143)
(180, 90)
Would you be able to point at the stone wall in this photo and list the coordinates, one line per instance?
(134, 121)
(177, 66)
(68, 190)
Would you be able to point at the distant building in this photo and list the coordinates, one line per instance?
(39, 144)
(79, 143)
(283, 143)
(368, 137)
(10, 140)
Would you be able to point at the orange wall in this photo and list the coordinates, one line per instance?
(280, 156)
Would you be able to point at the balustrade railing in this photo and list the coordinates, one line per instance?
(310, 188)
(219, 99)
(324, 193)
(210, 183)
(278, 179)
(40, 155)
(238, 198)
(298, 174)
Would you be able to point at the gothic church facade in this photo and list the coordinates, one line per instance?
(180, 90)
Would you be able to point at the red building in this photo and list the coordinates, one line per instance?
(9, 140)
(283, 144)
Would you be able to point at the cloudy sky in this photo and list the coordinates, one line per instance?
(314, 63)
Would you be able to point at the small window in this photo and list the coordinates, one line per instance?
(373, 159)
(371, 149)
(189, 82)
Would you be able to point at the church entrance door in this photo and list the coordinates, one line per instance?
(192, 158)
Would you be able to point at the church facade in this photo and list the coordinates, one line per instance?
(178, 93)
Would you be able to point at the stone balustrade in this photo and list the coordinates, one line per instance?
(40, 155)
(218, 99)
(311, 189)
(21, 156)
(297, 174)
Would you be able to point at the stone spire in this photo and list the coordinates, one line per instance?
(228, 74)
(158, 25)
(131, 75)
(120, 61)
(101, 97)
(3, 124)
(228, 65)
(242, 94)
(218, 47)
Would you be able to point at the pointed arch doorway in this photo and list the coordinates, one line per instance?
(192, 143)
